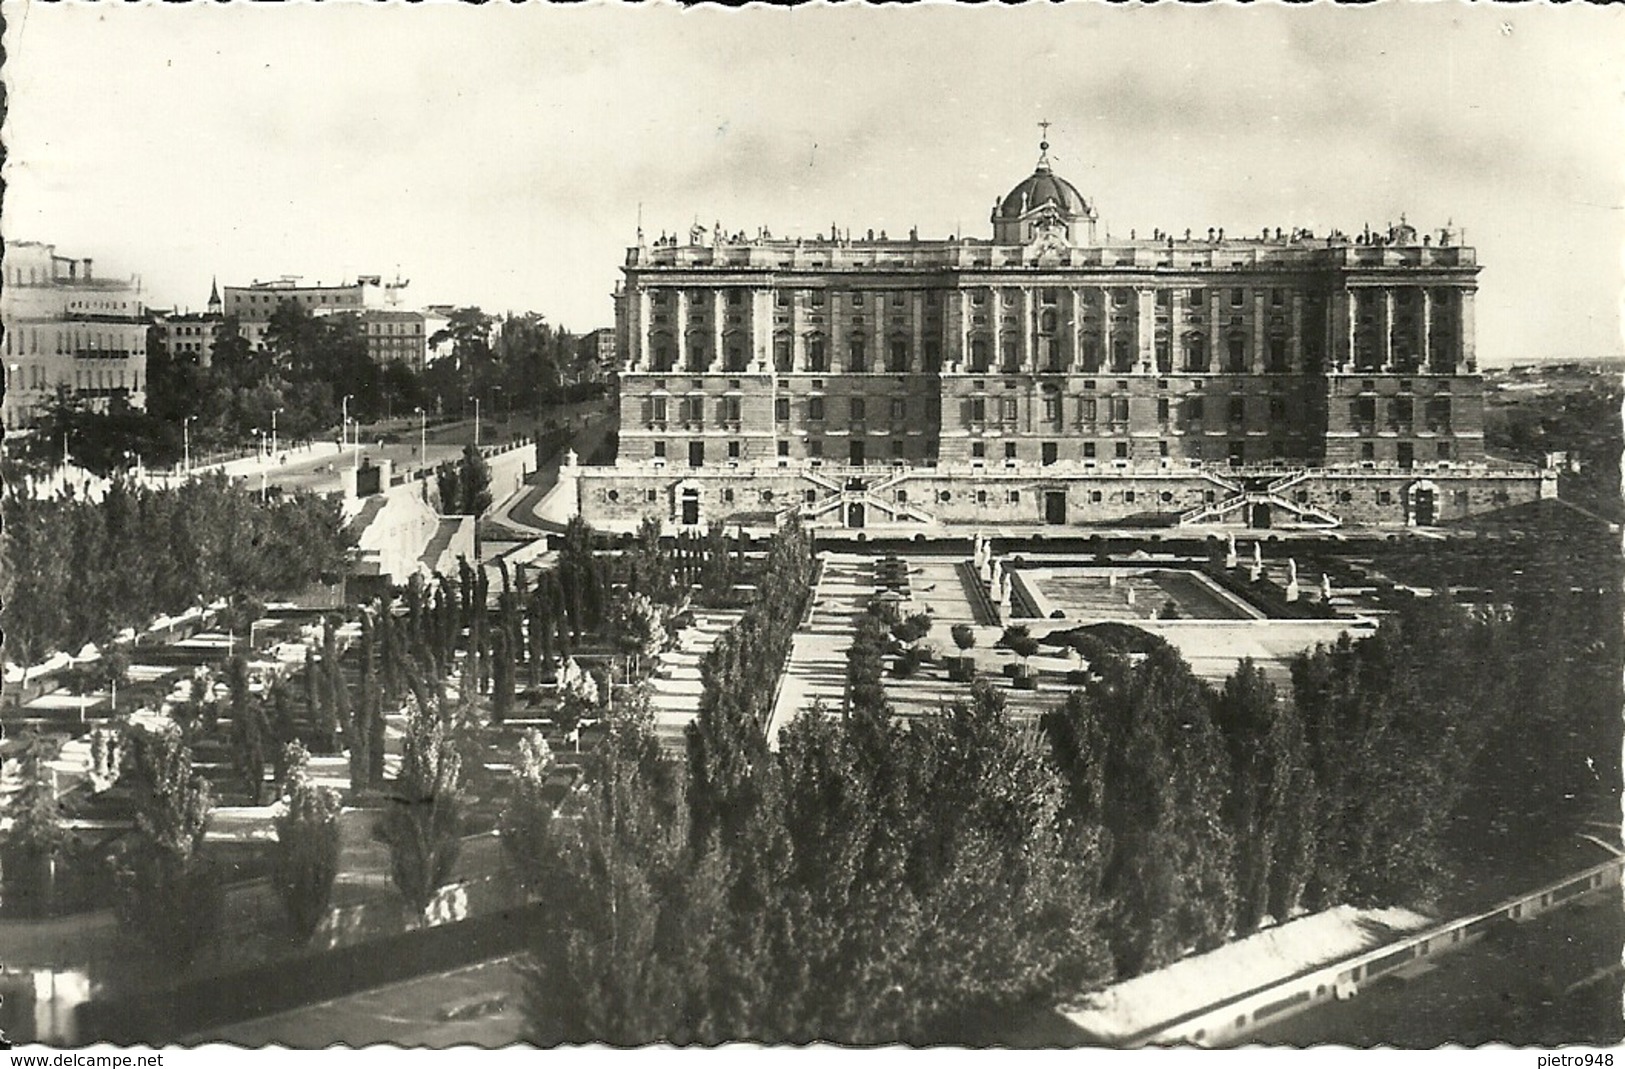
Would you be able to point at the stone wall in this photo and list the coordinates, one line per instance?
(1035, 495)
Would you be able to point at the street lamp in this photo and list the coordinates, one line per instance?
(186, 441)
(274, 412)
(476, 423)
(344, 427)
(423, 437)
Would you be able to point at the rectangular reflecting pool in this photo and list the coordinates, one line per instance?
(1126, 592)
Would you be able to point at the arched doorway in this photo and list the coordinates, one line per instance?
(689, 507)
(1259, 515)
(854, 514)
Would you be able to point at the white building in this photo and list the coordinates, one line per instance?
(66, 327)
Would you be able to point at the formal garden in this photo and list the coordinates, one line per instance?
(468, 767)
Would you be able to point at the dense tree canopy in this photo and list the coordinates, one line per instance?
(79, 571)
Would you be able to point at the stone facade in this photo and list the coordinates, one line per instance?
(1049, 357)
(1025, 496)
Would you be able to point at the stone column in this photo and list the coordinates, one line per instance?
(761, 328)
(682, 330)
(1075, 359)
(1145, 307)
(1294, 345)
(964, 324)
(1468, 333)
(1387, 328)
(996, 295)
(1258, 356)
(1346, 310)
(638, 336)
(1029, 331)
(719, 316)
(798, 339)
(1214, 357)
(1426, 348)
(916, 352)
(1108, 334)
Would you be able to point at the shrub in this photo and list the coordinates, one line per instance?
(423, 825)
(307, 849)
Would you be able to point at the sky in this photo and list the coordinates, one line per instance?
(500, 155)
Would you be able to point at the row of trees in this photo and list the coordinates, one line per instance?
(874, 882)
(80, 571)
(301, 377)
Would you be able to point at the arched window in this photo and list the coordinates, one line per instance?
(1195, 352)
(1238, 353)
(734, 348)
(817, 353)
(857, 354)
(1091, 354)
(660, 349)
(898, 355)
(978, 354)
(1122, 359)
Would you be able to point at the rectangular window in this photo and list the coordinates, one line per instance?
(1052, 409)
(660, 449)
(899, 409)
(1238, 410)
(1198, 298)
(1438, 415)
(733, 450)
(857, 300)
(897, 449)
(784, 448)
(858, 356)
(1121, 450)
(1009, 450)
(781, 409)
(1401, 413)
(815, 447)
(815, 409)
(1238, 298)
(1048, 451)
(978, 410)
(1088, 450)
(817, 298)
(1007, 410)
(978, 450)
(857, 409)
(1162, 410)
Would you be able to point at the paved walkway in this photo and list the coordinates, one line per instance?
(817, 669)
(675, 688)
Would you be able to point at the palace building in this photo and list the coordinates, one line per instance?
(1049, 377)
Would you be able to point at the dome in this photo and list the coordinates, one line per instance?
(1042, 187)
